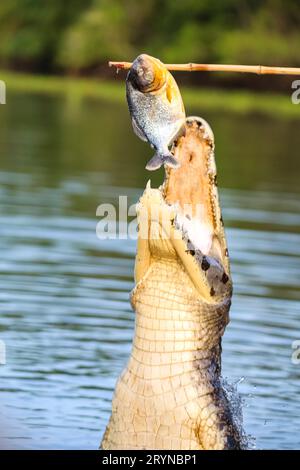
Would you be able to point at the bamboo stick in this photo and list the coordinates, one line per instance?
(190, 67)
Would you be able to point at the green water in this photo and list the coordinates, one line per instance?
(65, 315)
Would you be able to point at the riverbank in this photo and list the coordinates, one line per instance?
(237, 101)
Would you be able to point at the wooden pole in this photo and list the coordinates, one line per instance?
(190, 67)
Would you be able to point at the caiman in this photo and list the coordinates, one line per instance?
(170, 394)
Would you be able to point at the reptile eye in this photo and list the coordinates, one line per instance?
(140, 71)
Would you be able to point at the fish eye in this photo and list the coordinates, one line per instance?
(149, 76)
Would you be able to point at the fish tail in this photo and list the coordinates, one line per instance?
(170, 161)
(162, 159)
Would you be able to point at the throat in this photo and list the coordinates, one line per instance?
(200, 232)
(171, 328)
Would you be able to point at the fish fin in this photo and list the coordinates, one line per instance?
(170, 161)
(158, 160)
(137, 130)
(155, 162)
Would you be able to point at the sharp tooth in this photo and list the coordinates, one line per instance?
(148, 185)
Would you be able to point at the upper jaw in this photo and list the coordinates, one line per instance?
(193, 188)
(189, 194)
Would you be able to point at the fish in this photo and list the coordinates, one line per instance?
(156, 108)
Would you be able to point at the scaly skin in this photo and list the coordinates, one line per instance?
(169, 396)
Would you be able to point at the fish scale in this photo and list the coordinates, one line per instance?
(157, 114)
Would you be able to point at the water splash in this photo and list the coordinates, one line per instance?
(248, 442)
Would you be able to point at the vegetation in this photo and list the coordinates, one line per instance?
(80, 35)
(200, 98)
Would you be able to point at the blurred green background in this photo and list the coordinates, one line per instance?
(54, 42)
(67, 145)
(80, 35)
